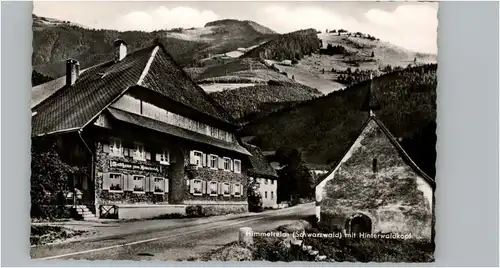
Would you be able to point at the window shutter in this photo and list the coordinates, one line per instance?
(231, 189)
(105, 148)
(204, 160)
(158, 157)
(192, 161)
(220, 163)
(219, 188)
(231, 165)
(148, 155)
(191, 186)
(241, 189)
(130, 182)
(105, 181)
(146, 184)
(203, 187)
(166, 185)
(150, 184)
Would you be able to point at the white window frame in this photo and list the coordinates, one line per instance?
(228, 161)
(237, 186)
(115, 147)
(237, 163)
(201, 187)
(143, 184)
(216, 158)
(165, 157)
(164, 185)
(138, 155)
(209, 189)
(198, 157)
(122, 184)
(228, 189)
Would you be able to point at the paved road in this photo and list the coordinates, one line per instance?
(173, 242)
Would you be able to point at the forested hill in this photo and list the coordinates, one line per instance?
(324, 128)
(247, 102)
(290, 46)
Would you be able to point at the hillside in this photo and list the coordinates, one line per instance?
(54, 41)
(290, 46)
(247, 102)
(323, 128)
(339, 61)
(241, 70)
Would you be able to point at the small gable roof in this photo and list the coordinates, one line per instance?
(70, 108)
(398, 147)
(260, 166)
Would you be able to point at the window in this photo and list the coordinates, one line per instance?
(197, 158)
(272, 195)
(265, 194)
(115, 182)
(115, 147)
(272, 181)
(197, 187)
(225, 189)
(139, 152)
(237, 166)
(212, 188)
(374, 165)
(229, 137)
(267, 181)
(227, 163)
(138, 183)
(163, 157)
(212, 163)
(159, 185)
(237, 189)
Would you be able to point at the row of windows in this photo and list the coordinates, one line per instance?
(115, 148)
(213, 161)
(117, 182)
(134, 105)
(272, 195)
(214, 188)
(265, 181)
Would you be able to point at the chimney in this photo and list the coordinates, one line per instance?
(120, 50)
(72, 71)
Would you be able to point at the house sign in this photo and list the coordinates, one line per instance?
(131, 166)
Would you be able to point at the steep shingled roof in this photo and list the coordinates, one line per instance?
(72, 107)
(260, 166)
(398, 147)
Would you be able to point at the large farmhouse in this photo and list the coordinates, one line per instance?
(376, 187)
(152, 140)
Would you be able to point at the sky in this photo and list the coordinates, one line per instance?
(412, 25)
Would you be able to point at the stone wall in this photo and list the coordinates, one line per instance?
(387, 190)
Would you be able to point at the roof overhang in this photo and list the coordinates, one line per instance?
(172, 130)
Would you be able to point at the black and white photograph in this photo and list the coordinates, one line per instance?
(275, 131)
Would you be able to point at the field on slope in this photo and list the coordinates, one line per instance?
(323, 71)
(323, 128)
(246, 103)
(238, 71)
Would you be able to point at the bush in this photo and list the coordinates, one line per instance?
(194, 211)
(49, 181)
